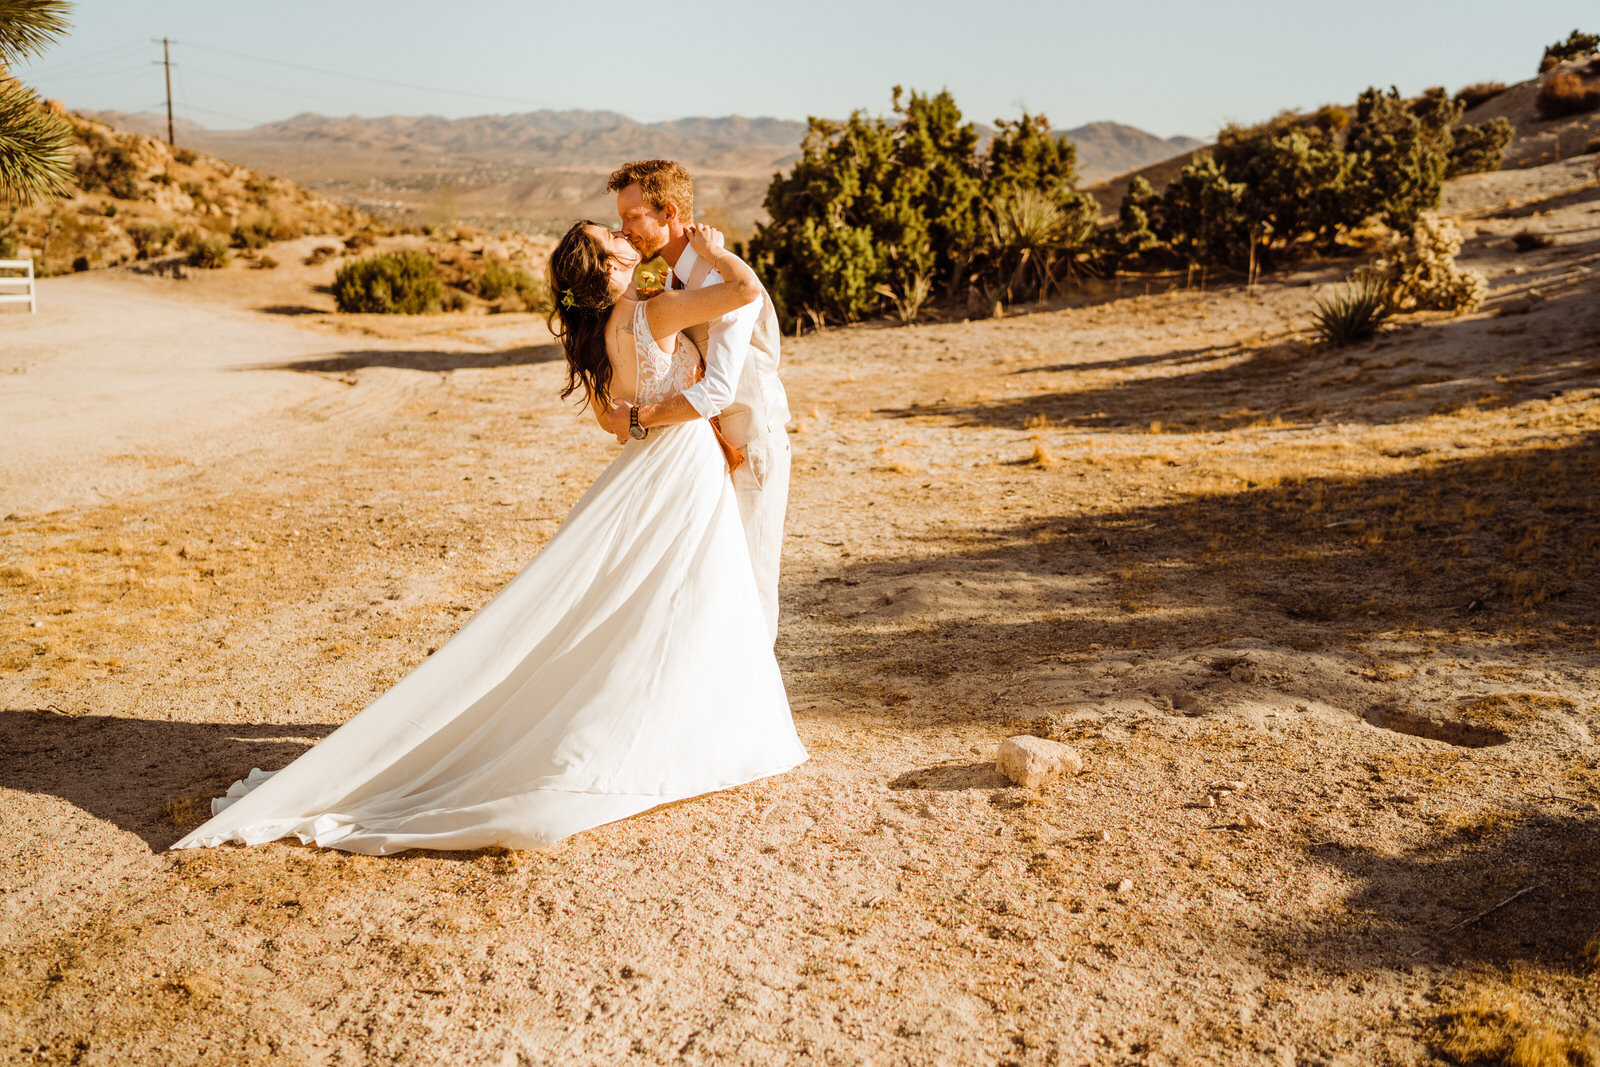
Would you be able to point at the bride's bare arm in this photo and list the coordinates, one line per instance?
(676, 309)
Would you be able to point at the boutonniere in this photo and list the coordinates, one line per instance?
(651, 277)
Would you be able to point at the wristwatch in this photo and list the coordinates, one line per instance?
(636, 431)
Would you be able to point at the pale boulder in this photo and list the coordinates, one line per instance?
(1033, 762)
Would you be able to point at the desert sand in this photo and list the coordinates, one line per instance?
(1322, 624)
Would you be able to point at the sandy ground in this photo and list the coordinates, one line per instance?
(1359, 586)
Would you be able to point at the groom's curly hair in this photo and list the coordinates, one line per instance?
(663, 182)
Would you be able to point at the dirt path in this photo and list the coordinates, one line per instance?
(1164, 528)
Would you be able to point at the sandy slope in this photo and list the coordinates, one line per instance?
(1162, 526)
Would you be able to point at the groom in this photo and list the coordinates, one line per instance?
(655, 199)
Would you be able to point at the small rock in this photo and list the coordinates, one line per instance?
(1223, 794)
(1104, 837)
(1231, 785)
(1253, 822)
(1211, 801)
(1033, 762)
(1242, 672)
(1125, 885)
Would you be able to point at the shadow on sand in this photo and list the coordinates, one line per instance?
(152, 779)
(418, 359)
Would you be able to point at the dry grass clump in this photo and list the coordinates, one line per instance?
(1478, 93)
(1509, 709)
(1501, 1030)
(1567, 93)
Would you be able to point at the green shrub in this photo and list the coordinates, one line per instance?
(1575, 46)
(498, 278)
(1402, 151)
(1471, 96)
(389, 283)
(1353, 315)
(1566, 93)
(209, 253)
(1477, 149)
(1135, 235)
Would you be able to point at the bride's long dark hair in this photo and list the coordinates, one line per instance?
(581, 299)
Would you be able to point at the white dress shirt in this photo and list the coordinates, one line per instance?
(727, 348)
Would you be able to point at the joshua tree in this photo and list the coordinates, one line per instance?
(34, 158)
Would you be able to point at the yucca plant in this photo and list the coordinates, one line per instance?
(1353, 315)
(35, 158)
(911, 297)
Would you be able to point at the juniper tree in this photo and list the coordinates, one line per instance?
(1576, 46)
(34, 144)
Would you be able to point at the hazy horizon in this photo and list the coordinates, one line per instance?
(1197, 69)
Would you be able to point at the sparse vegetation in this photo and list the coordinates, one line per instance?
(501, 281)
(1530, 240)
(1418, 270)
(1352, 315)
(1567, 93)
(1471, 96)
(1576, 46)
(389, 283)
(1479, 148)
(208, 252)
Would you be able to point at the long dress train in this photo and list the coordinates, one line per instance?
(626, 666)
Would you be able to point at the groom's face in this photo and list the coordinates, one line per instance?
(648, 229)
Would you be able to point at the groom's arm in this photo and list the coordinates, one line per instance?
(727, 351)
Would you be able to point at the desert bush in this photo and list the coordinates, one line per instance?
(1202, 216)
(257, 233)
(872, 203)
(264, 262)
(320, 254)
(186, 156)
(359, 240)
(1353, 315)
(113, 170)
(1135, 235)
(151, 238)
(209, 252)
(1032, 232)
(389, 283)
(80, 264)
(1479, 148)
(455, 300)
(1417, 269)
(499, 278)
(1566, 93)
(1402, 151)
(911, 298)
(1530, 240)
(1470, 96)
(1575, 46)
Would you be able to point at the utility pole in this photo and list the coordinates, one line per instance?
(166, 61)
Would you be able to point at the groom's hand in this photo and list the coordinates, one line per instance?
(617, 420)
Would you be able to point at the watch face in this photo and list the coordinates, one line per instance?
(636, 432)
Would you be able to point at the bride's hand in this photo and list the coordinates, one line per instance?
(706, 240)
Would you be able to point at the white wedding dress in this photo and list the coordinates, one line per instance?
(628, 665)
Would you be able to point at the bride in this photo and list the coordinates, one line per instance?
(628, 665)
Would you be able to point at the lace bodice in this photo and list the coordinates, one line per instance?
(661, 375)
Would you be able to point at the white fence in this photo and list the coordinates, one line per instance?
(17, 288)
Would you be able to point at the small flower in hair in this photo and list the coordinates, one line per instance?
(566, 299)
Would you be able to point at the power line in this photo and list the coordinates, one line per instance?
(376, 81)
(82, 61)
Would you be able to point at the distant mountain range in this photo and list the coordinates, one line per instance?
(540, 166)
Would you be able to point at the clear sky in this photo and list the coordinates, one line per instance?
(1167, 66)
